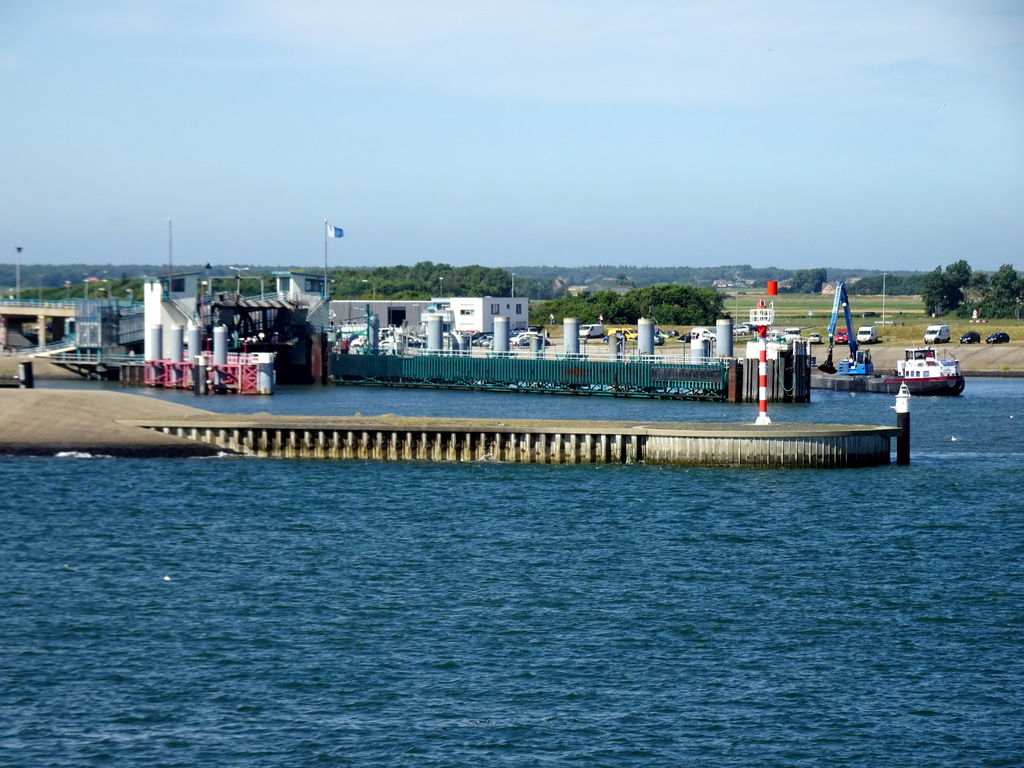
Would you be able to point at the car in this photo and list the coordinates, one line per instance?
(869, 314)
(971, 337)
(842, 336)
(814, 338)
(998, 338)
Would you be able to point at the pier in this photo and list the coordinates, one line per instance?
(791, 445)
(649, 376)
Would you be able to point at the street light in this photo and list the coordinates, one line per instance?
(67, 288)
(17, 275)
(442, 287)
(374, 284)
(238, 275)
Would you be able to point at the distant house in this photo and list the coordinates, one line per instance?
(828, 289)
(578, 290)
(723, 284)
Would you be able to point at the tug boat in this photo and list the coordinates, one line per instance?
(925, 373)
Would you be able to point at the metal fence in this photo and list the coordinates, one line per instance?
(630, 378)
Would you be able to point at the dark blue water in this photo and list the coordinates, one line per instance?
(262, 612)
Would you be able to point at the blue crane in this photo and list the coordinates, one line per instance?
(859, 362)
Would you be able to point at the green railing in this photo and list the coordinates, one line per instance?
(633, 378)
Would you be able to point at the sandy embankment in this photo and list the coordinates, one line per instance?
(44, 422)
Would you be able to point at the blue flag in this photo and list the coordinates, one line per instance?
(335, 231)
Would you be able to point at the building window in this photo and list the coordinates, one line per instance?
(465, 312)
(495, 308)
(519, 309)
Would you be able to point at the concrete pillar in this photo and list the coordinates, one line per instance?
(723, 337)
(373, 342)
(195, 341)
(41, 325)
(500, 334)
(645, 336)
(571, 335)
(154, 342)
(175, 344)
(220, 345)
(435, 333)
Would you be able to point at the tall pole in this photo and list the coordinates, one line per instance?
(17, 276)
(170, 259)
(883, 298)
(513, 285)
(327, 294)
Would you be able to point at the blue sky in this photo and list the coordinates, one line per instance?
(508, 132)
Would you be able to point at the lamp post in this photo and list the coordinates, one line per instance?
(374, 284)
(67, 290)
(883, 298)
(85, 289)
(513, 285)
(441, 279)
(238, 275)
(17, 275)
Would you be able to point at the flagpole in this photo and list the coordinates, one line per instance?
(170, 260)
(327, 293)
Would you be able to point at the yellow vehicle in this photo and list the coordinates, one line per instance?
(629, 333)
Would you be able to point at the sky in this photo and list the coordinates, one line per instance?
(792, 133)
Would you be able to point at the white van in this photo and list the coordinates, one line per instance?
(592, 331)
(868, 334)
(937, 334)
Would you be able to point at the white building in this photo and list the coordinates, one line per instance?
(460, 314)
(304, 287)
(470, 314)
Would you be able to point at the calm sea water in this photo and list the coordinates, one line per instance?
(286, 613)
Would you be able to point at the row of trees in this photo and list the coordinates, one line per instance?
(425, 279)
(959, 289)
(667, 304)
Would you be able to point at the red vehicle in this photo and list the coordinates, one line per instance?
(842, 336)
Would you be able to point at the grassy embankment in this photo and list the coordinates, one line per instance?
(905, 317)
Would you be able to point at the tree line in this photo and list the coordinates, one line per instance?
(667, 304)
(956, 288)
(959, 289)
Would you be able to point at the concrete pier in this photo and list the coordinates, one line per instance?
(540, 442)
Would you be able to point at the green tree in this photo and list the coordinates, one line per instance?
(1006, 292)
(943, 292)
(808, 280)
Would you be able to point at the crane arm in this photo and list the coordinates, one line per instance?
(841, 299)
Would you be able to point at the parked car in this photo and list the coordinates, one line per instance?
(869, 314)
(842, 336)
(998, 338)
(971, 337)
(814, 338)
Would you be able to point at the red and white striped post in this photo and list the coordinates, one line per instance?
(762, 317)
